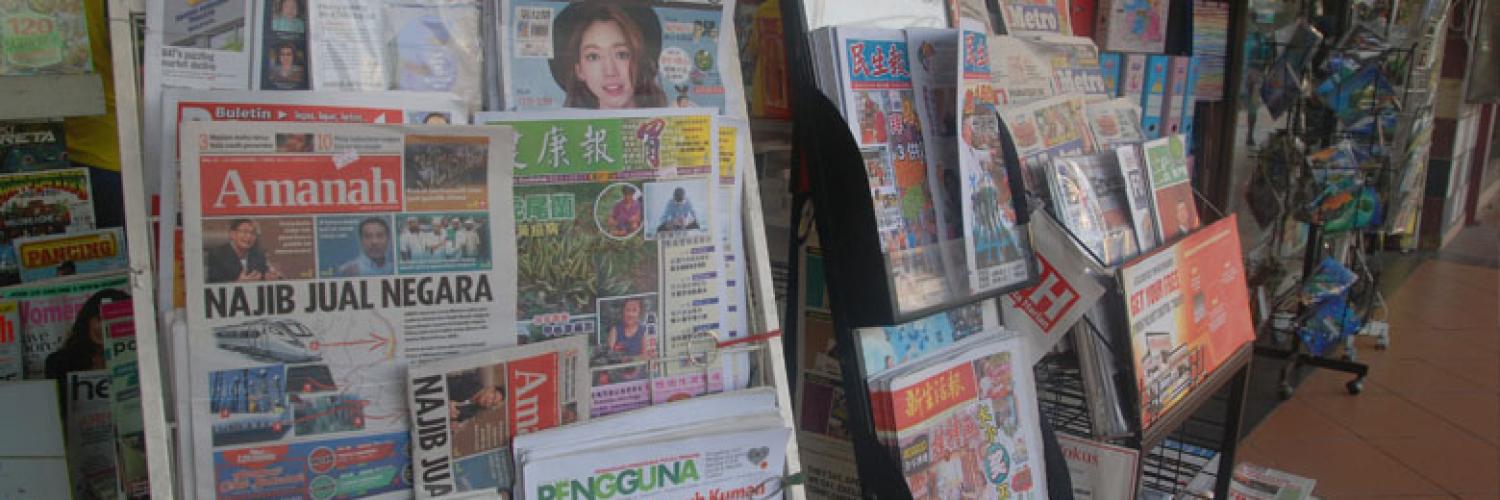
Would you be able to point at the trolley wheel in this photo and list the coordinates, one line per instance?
(1355, 386)
(1286, 391)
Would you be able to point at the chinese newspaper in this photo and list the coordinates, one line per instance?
(615, 225)
(997, 249)
(324, 258)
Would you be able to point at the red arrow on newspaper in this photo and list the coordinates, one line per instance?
(374, 339)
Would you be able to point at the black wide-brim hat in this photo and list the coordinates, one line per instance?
(570, 20)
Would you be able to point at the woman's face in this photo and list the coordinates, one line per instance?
(631, 312)
(289, 8)
(285, 57)
(605, 63)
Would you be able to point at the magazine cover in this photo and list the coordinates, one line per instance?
(1189, 310)
(1138, 194)
(615, 223)
(1171, 189)
(888, 347)
(289, 362)
(466, 410)
(1047, 129)
(1138, 26)
(91, 435)
(608, 55)
(934, 76)
(1020, 71)
(969, 427)
(85, 252)
(997, 250)
(179, 106)
(118, 319)
(1115, 123)
(32, 146)
(38, 204)
(881, 108)
(11, 350)
(1035, 16)
(56, 331)
(44, 37)
(1090, 199)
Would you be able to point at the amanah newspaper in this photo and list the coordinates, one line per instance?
(325, 258)
(466, 411)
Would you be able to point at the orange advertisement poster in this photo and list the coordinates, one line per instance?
(1189, 311)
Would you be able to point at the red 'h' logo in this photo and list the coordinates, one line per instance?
(1049, 300)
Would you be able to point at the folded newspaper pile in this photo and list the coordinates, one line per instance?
(963, 422)
(730, 445)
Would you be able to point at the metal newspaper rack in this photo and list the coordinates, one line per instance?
(125, 16)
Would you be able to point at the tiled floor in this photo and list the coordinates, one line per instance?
(1428, 422)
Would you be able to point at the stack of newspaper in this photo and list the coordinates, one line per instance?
(730, 445)
(963, 422)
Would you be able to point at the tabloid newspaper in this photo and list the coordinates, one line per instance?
(48, 202)
(11, 351)
(1075, 65)
(934, 77)
(180, 106)
(1189, 311)
(1090, 199)
(1019, 71)
(616, 229)
(1047, 129)
(1036, 17)
(118, 321)
(325, 257)
(997, 250)
(466, 410)
(91, 436)
(68, 254)
(1116, 122)
(966, 423)
(1138, 193)
(880, 105)
(50, 310)
(1171, 188)
(614, 55)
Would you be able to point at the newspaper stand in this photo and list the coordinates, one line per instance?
(764, 348)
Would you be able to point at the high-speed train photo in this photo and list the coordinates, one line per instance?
(279, 340)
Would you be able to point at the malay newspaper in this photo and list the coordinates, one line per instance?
(180, 106)
(466, 411)
(997, 249)
(616, 229)
(325, 257)
(614, 55)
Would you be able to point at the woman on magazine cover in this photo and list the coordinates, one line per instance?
(606, 56)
